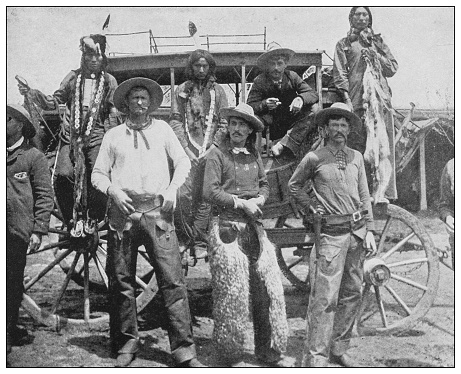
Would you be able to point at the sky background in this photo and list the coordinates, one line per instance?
(42, 42)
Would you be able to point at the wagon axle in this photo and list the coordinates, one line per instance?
(376, 272)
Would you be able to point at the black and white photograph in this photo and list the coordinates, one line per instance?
(238, 186)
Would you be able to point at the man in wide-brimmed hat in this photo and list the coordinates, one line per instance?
(344, 236)
(283, 101)
(132, 169)
(87, 93)
(196, 120)
(242, 261)
(29, 205)
(362, 64)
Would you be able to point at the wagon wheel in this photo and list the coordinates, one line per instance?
(293, 261)
(51, 299)
(401, 280)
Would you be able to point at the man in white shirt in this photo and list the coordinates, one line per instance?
(132, 168)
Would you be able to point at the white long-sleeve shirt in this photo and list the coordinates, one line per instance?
(140, 171)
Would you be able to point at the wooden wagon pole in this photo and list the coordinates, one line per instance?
(422, 172)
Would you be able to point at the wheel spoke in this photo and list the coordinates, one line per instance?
(398, 299)
(86, 287)
(380, 305)
(101, 271)
(409, 281)
(397, 246)
(66, 283)
(51, 265)
(408, 262)
(59, 244)
(296, 262)
(365, 292)
(383, 235)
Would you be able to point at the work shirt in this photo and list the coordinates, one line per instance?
(228, 174)
(292, 86)
(140, 171)
(29, 194)
(349, 67)
(199, 100)
(338, 191)
(66, 95)
(447, 191)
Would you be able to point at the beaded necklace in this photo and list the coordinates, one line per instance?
(94, 110)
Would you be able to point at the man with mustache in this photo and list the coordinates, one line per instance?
(133, 169)
(346, 236)
(242, 260)
(283, 101)
(196, 121)
(87, 93)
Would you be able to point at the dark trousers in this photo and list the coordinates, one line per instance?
(161, 244)
(16, 252)
(192, 217)
(64, 183)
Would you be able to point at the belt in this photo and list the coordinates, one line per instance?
(340, 219)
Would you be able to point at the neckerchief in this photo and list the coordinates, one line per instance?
(138, 128)
(15, 145)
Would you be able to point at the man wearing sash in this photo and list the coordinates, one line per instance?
(196, 122)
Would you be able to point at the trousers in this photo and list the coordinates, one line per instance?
(16, 252)
(158, 236)
(335, 298)
(64, 181)
(192, 217)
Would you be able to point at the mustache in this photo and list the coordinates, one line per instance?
(237, 133)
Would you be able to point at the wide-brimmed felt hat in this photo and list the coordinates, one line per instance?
(273, 50)
(243, 111)
(155, 92)
(342, 109)
(21, 114)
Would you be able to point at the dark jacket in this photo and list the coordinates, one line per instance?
(29, 193)
(292, 86)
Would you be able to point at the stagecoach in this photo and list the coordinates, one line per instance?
(400, 281)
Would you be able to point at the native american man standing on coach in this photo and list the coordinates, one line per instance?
(87, 93)
(362, 64)
(196, 122)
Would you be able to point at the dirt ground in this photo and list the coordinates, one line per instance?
(429, 344)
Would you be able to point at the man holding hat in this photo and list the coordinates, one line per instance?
(132, 169)
(87, 93)
(282, 100)
(346, 236)
(29, 198)
(242, 260)
(196, 121)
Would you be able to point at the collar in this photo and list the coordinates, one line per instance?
(334, 151)
(240, 150)
(16, 145)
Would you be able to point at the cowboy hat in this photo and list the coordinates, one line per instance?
(155, 92)
(273, 50)
(243, 111)
(342, 109)
(21, 114)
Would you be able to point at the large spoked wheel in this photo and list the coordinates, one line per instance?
(293, 246)
(66, 283)
(401, 280)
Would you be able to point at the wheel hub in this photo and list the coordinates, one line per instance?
(376, 272)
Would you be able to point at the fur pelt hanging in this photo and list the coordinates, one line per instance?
(377, 150)
(230, 283)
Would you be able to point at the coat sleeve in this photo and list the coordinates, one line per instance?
(303, 90)
(388, 62)
(60, 96)
(213, 192)
(221, 102)
(177, 116)
(257, 98)
(303, 173)
(40, 180)
(340, 70)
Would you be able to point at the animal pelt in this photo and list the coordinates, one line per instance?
(230, 283)
(377, 150)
